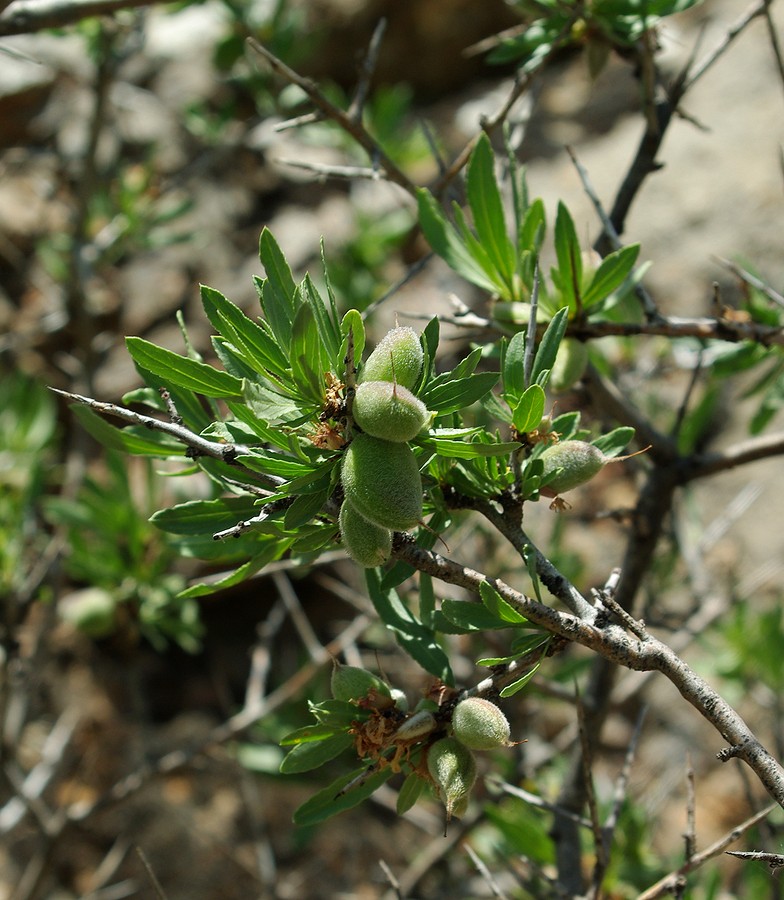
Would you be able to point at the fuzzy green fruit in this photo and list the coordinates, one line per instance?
(398, 357)
(381, 480)
(452, 767)
(579, 461)
(389, 411)
(480, 724)
(570, 364)
(366, 543)
(354, 683)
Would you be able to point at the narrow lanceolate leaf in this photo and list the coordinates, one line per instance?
(461, 392)
(528, 413)
(612, 443)
(308, 756)
(567, 249)
(205, 516)
(137, 440)
(410, 792)
(178, 370)
(307, 366)
(472, 449)
(278, 290)
(257, 346)
(613, 270)
(332, 800)
(487, 210)
(513, 369)
(412, 635)
(494, 602)
(548, 346)
(447, 243)
(518, 685)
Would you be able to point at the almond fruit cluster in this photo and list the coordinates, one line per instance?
(380, 474)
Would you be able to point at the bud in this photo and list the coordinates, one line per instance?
(480, 724)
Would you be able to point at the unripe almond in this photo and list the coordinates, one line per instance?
(354, 683)
(389, 411)
(578, 461)
(417, 725)
(381, 480)
(452, 767)
(366, 543)
(480, 724)
(570, 364)
(398, 357)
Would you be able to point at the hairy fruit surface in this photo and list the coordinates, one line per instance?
(382, 481)
(579, 462)
(354, 683)
(398, 357)
(480, 724)
(367, 544)
(452, 767)
(389, 411)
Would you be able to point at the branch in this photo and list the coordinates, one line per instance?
(32, 15)
(227, 453)
(342, 118)
(670, 882)
(615, 645)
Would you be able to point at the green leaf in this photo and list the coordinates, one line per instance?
(532, 230)
(131, 439)
(471, 449)
(613, 270)
(487, 210)
(307, 756)
(567, 250)
(513, 369)
(314, 732)
(178, 370)
(307, 366)
(427, 600)
(529, 557)
(272, 463)
(496, 604)
(272, 547)
(417, 640)
(257, 346)
(306, 506)
(448, 244)
(548, 346)
(529, 411)
(511, 689)
(460, 393)
(468, 617)
(331, 801)
(270, 406)
(205, 516)
(352, 322)
(338, 714)
(327, 323)
(410, 791)
(614, 442)
(278, 293)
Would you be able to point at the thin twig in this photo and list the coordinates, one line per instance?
(337, 115)
(28, 16)
(357, 106)
(485, 873)
(665, 885)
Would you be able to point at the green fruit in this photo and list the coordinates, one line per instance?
(480, 724)
(366, 543)
(398, 357)
(389, 411)
(417, 725)
(570, 363)
(353, 683)
(381, 480)
(453, 769)
(578, 462)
